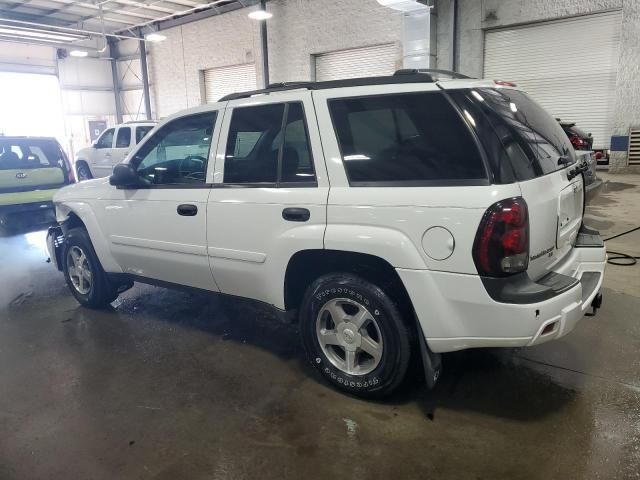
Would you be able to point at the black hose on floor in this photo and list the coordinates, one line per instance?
(622, 259)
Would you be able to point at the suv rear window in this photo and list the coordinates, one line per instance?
(408, 139)
(533, 139)
(23, 154)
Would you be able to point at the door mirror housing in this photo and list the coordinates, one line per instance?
(124, 176)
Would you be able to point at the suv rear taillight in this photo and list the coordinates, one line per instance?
(501, 246)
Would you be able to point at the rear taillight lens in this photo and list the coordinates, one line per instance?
(501, 246)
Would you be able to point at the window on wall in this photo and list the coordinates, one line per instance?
(407, 138)
(268, 144)
(177, 153)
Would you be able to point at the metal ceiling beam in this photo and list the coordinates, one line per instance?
(200, 15)
(60, 29)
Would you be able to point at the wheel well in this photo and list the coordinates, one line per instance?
(306, 266)
(72, 221)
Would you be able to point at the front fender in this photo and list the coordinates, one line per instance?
(85, 213)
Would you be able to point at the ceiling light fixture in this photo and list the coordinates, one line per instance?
(155, 37)
(260, 15)
(78, 53)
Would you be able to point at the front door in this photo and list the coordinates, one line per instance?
(101, 155)
(122, 146)
(269, 196)
(158, 230)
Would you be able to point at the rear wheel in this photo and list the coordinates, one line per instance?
(83, 171)
(354, 335)
(83, 273)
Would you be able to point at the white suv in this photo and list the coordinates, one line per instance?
(109, 149)
(395, 215)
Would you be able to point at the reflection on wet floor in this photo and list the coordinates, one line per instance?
(169, 384)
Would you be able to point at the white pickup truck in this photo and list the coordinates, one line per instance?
(111, 148)
(410, 213)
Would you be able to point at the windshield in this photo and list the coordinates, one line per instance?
(26, 153)
(535, 141)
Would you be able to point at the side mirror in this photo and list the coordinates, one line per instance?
(124, 176)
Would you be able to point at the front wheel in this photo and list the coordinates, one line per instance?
(354, 335)
(83, 273)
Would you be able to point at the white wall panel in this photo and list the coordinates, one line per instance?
(569, 66)
(371, 61)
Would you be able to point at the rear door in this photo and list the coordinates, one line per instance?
(270, 194)
(123, 144)
(543, 160)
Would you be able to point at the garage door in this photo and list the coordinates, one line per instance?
(569, 66)
(356, 62)
(222, 81)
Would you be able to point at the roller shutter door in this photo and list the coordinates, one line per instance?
(357, 62)
(569, 66)
(222, 81)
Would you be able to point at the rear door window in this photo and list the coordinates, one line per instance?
(408, 139)
(123, 140)
(268, 144)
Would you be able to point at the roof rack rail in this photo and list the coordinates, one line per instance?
(428, 72)
(401, 76)
(272, 87)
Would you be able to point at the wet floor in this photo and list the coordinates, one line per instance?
(172, 385)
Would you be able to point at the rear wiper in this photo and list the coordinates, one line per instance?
(563, 161)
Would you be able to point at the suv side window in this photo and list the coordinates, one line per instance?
(141, 132)
(106, 139)
(268, 144)
(177, 154)
(408, 139)
(123, 139)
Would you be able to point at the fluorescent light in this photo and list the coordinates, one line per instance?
(260, 15)
(513, 107)
(78, 53)
(155, 37)
(357, 157)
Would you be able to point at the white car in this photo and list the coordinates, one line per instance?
(109, 149)
(395, 215)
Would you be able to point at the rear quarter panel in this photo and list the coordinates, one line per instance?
(390, 222)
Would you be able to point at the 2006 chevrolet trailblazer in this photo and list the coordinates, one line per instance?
(411, 214)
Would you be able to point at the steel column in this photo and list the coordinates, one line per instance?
(265, 46)
(116, 81)
(145, 79)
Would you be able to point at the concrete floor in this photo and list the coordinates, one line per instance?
(170, 385)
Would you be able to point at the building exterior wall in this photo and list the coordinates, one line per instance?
(175, 64)
(474, 17)
(298, 30)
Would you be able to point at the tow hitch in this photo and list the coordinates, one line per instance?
(596, 303)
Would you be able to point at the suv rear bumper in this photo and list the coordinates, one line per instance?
(456, 311)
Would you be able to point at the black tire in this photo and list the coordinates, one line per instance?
(101, 291)
(389, 373)
(83, 172)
